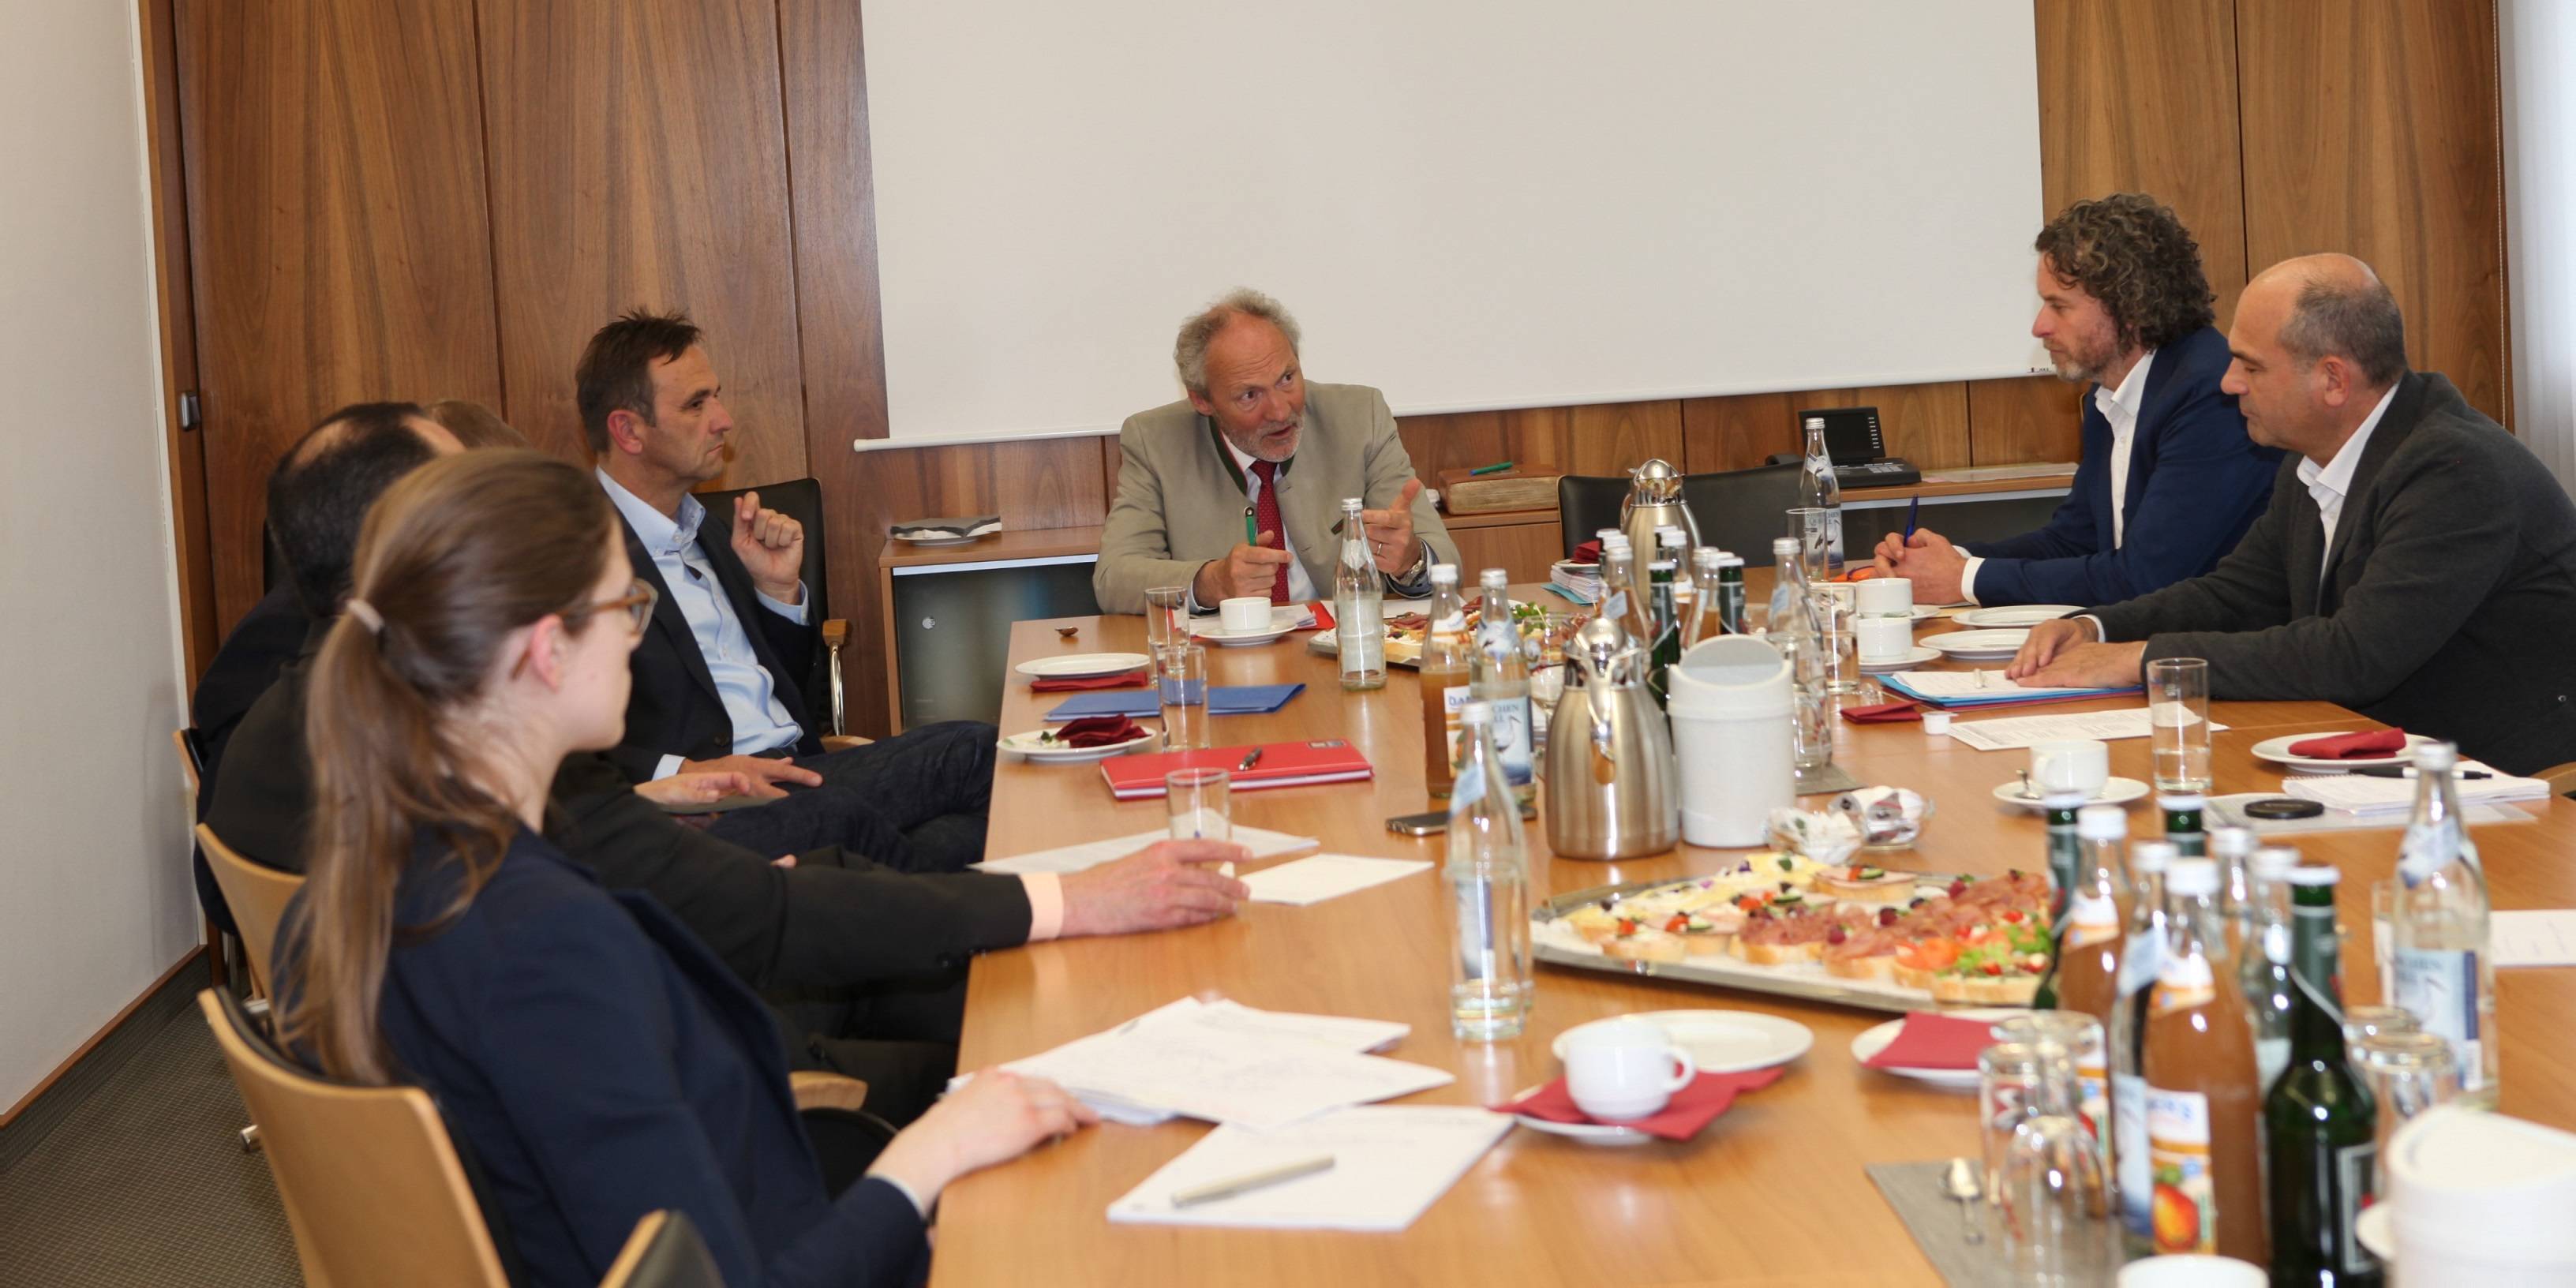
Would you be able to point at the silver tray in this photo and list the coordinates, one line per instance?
(1726, 972)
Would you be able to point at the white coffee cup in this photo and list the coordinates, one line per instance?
(1884, 597)
(2192, 1271)
(2070, 765)
(1623, 1069)
(1244, 613)
(1884, 639)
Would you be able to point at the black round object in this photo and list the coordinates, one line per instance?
(2280, 807)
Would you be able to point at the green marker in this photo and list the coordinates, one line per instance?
(1496, 468)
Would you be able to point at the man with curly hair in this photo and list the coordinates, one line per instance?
(2169, 482)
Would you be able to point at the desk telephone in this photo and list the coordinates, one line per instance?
(1858, 449)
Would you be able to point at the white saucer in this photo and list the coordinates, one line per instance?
(2277, 750)
(1926, 612)
(2023, 616)
(1220, 636)
(1081, 666)
(1588, 1133)
(2115, 791)
(939, 541)
(1720, 1041)
(1979, 644)
(1914, 657)
(1871, 1041)
(2376, 1228)
(1027, 747)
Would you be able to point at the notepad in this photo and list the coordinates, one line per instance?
(2542, 937)
(1326, 876)
(2004, 732)
(1222, 700)
(2361, 794)
(1264, 844)
(1390, 1164)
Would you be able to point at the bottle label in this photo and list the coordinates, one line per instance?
(2440, 988)
(2129, 1151)
(1615, 607)
(2355, 1170)
(2140, 959)
(1512, 737)
(2091, 919)
(2181, 984)
(2186, 1193)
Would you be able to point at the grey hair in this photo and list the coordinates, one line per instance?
(2357, 320)
(1189, 349)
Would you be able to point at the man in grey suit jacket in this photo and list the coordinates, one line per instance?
(1254, 441)
(2417, 564)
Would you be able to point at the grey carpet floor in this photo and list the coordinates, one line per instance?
(145, 1183)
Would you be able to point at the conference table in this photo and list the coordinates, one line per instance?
(1773, 1192)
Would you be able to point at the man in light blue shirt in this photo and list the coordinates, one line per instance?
(716, 676)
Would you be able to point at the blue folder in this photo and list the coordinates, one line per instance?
(1223, 700)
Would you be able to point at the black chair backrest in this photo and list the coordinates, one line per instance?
(676, 1257)
(1737, 510)
(801, 500)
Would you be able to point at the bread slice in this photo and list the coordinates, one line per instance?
(1891, 888)
(1646, 946)
(1775, 954)
(1986, 990)
(1713, 943)
(1882, 966)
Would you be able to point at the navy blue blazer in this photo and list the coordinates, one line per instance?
(674, 709)
(2196, 483)
(600, 1063)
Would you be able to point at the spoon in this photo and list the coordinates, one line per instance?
(1959, 1181)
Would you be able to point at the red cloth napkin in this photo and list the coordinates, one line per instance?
(1883, 713)
(1323, 617)
(2375, 745)
(1933, 1041)
(1097, 731)
(1690, 1109)
(1588, 552)
(1136, 679)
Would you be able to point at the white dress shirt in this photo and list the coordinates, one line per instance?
(2329, 483)
(2120, 407)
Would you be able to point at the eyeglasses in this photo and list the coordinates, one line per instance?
(638, 602)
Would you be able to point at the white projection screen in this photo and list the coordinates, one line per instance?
(1471, 204)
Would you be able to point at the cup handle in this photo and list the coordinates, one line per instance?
(1684, 1069)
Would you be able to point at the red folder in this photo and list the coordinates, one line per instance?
(1282, 764)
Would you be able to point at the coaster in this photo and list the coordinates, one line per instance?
(1826, 778)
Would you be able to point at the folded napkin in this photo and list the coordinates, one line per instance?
(1323, 616)
(1098, 731)
(2377, 744)
(1690, 1109)
(1883, 713)
(1931, 1040)
(1123, 680)
(1587, 553)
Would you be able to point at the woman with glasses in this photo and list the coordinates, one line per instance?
(596, 1059)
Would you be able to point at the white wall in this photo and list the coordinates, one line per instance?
(2539, 43)
(95, 897)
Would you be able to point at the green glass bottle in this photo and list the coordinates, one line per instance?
(2318, 1119)
(2075, 830)
(1664, 649)
(2182, 823)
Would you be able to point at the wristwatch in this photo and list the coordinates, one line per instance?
(1421, 562)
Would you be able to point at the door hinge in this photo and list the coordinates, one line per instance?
(191, 414)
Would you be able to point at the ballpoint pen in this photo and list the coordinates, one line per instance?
(1913, 509)
(1250, 758)
(1251, 528)
(1249, 1181)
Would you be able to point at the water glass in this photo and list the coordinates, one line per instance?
(2407, 1073)
(1167, 619)
(2016, 1082)
(2054, 1205)
(2080, 1036)
(1843, 676)
(1201, 803)
(2383, 938)
(1816, 529)
(2362, 1023)
(2178, 708)
(1182, 682)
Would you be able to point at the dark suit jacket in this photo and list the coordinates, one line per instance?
(674, 709)
(599, 1063)
(261, 644)
(2195, 484)
(831, 920)
(2448, 601)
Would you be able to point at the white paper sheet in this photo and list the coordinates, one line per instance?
(2364, 794)
(2544, 937)
(1390, 1163)
(2006, 732)
(1318, 877)
(1986, 684)
(1091, 854)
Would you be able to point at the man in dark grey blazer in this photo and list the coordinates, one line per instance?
(2417, 564)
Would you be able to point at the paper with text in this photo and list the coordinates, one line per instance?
(1091, 854)
(2007, 732)
(1390, 1163)
(2542, 937)
(1324, 876)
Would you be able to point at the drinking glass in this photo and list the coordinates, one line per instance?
(2054, 1204)
(2080, 1036)
(2362, 1023)
(1183, 687)
(2383, 941)
(1843, 676)
(2178, 708)
(1813, 526)
(1201, 803)
(2407, 1073)
(1167, 620)
(2018, 1081)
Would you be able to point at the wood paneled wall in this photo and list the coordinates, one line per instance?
(425, 198)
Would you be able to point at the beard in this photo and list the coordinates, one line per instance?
(2084, 364)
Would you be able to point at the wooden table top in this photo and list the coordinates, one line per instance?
(1773, 1192)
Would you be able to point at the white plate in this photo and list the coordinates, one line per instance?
(939, 541)
(1720, 1041)
(1978, 644)
(1914, 657)
(1926, 612)
(2024, 616)
(2115, 791)
(1218, 635)
(1871, 1041)
(2277, 750)
(1027, 747)
(1588, 1133)
(1081, 666)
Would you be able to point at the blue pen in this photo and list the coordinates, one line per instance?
(1913, 508)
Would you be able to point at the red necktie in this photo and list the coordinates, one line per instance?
(1266, 513)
